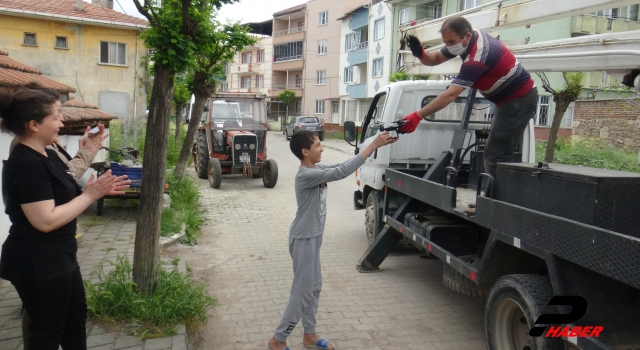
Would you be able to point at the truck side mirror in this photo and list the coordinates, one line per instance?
(350, 131)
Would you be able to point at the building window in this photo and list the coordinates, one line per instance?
(298, 81)
(226, 69)
(260, 56)
(61, 42)
(404, 16)
(437, 10)
(245, 82)
(30, 39)
(468, 4)
(298, 106)
(353, 41)
(260, 81)
(322, 47)
(319, 107)
(321, 75)
(112, 53)
(224, 87)
(323, 18)
(246, 57)
(542, 114)
(378, 29)
(288, 51)
(377, 68)
(348, 75)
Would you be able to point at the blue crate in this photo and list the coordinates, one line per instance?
(133, 174)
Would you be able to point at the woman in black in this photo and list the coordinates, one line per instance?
(43, 201)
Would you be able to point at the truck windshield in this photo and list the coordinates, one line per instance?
(481, 112)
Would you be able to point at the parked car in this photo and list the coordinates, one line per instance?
(304, 123)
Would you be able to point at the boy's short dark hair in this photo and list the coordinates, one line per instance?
(458, 25)
(302, 139)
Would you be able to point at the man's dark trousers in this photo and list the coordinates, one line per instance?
(510, 119)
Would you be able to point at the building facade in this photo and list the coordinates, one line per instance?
(94, 49)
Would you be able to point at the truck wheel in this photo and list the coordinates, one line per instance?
(214, 173)
(373, 223)
(514, 304)
(270, 174)
(456, 281)
(202, 151)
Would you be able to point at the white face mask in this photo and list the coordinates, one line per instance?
(457, 49)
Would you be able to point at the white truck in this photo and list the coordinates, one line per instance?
(555, 249)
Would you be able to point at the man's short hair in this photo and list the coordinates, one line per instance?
(302, 139)
(458, 25)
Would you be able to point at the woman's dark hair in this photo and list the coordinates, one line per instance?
(458, 25)
(302, 139)
(18, 108)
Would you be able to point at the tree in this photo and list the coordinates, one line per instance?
(562, 99)
(401, 76)
(286, 97)
(181, 97)
(173, 27)
(214, 50)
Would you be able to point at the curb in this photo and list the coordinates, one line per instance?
(172, 240)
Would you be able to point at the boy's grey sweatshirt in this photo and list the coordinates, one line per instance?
(311, 195)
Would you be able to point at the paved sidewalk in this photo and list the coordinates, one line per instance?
(111, 235)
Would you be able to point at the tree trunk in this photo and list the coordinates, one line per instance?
(201, 93)
(178, 121)
(561, 107)
(146, 257)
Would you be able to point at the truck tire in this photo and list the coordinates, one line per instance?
(513, 305)
(202, 150)
(214, 173)
(456, 281)
(373, 223)
(270, 174)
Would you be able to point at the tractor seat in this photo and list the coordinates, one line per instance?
(231, 124)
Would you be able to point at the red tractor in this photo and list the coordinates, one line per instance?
(232, 139)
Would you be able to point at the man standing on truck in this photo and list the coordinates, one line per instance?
(489, 66)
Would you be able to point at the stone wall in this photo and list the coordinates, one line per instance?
(613, 121)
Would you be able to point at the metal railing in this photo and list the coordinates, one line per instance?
(286, 86)
(362, 45)
(287, 59)
(289, 31)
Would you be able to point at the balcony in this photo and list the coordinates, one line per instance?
(357, 54)
(590, 24)
(357, 90)
(289, 31)
(277, 89)
(244, 69)
(287, 63)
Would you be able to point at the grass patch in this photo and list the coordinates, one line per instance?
(121, 203)
(170, 222)
(591, 153)
(185, 200)
(177, 299)
(91, 221)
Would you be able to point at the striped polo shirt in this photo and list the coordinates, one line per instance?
(490, 67)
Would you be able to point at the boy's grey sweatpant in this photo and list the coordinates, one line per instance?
(305, 289)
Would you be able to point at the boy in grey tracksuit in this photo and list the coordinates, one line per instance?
(305, 234)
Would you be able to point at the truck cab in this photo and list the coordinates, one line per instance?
(419, 150)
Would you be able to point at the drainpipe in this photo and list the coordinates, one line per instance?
(287, 28)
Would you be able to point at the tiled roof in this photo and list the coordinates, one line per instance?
(66, 10)
(8, 62)
(75, 111)
(280, 13)
(15, 78)
(4, 53)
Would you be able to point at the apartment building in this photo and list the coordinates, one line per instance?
(365, 59)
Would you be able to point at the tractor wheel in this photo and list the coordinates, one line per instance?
(214, 173)
(514, 304)
(372, 220)
(202, 160)
(270, 174)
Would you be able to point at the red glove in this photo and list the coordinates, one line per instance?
(410, 123)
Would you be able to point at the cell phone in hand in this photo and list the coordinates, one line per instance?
(94, 130)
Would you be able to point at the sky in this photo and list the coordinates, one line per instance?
(243, 11)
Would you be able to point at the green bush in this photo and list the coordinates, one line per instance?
(177, 299)
(591, 153)
(118, 138)
(185, 202)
